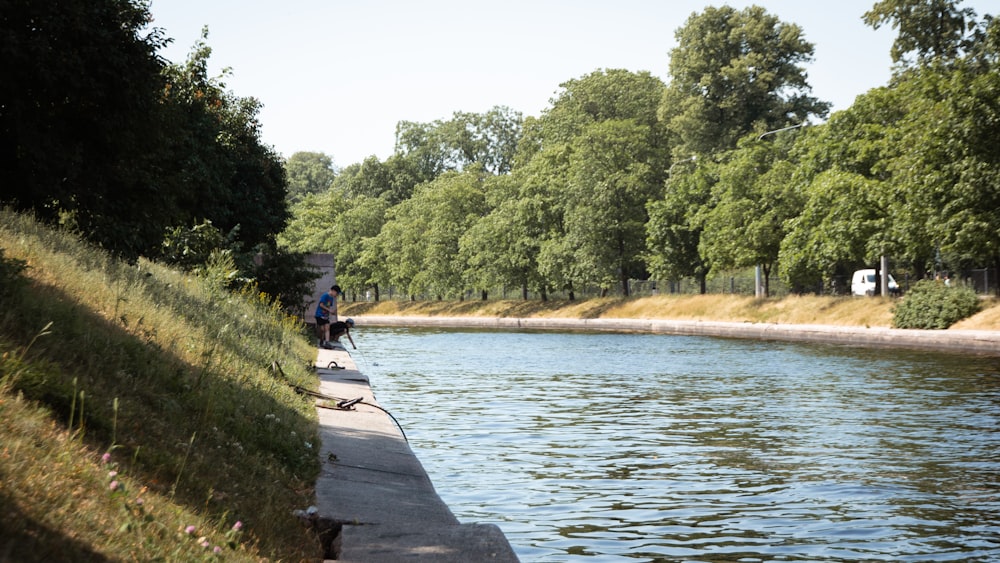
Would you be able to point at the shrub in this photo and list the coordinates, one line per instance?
(933, 305)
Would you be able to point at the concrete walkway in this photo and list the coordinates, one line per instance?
(372, 492)
(963, 341)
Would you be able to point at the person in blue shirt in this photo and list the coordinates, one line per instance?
(326, 312)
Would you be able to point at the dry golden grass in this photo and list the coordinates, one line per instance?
(808, 309)
(987, 319)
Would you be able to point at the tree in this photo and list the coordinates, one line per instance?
(362, 220)
(733, 73)
(538, 209)
(308, 173)
(673, 231)
(931, 30)
(220, 167)
(392, 180)
(501, 248)
(611, 181)
(80, 133)
(488, 139)
(603, 95)
(417, 248)
(600, 153)
(835, 231)
(754, 199)
(310, 229)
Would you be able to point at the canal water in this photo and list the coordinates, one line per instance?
(640, 447)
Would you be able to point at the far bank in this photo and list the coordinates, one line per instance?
(835, 320)
(861, 312)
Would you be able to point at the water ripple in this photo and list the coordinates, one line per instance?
(624, 447)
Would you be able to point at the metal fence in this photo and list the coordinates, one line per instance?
(984, 281)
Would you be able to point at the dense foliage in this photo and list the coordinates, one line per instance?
(625, 178)
(932, 304)
(101, 135)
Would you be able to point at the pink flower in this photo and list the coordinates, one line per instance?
(189, 530)
(106, 457)
(139, 501)
(237, 526)
(112, 474)
(113, 485)
(216, 550)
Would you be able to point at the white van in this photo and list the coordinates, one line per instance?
(864, 282)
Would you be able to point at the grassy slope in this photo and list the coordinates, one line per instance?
(169, 376)
(839, 311)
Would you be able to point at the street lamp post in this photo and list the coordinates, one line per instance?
(670, 171)
(762, 135)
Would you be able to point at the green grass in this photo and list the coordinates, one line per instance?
(169, 375)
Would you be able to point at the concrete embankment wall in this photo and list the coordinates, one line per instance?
(960, 341)
(374, 501)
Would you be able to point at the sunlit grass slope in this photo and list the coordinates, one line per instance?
(140, 415)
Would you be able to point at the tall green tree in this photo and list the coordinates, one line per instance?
(611, 182)
(221, 169)
(732, 73)
(308, 173)
(754, 199)
(603, 95)
(928, 30)
(80, 131)
(417, 249)
(392, 180)
(362, 220)
(602, 137)
(487, 139)
(673, 231)
(837, 230)
(908, 171)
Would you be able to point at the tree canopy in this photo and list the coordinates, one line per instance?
(626, 178)
(623, 177)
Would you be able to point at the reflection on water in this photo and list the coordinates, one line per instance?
(625, 447)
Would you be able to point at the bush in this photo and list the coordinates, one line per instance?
(933, 305)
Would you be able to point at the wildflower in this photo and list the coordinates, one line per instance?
(238, 526)
(203, 542)
(217, 550)
(113, 485)
(189, 530)
(106, 458)
(139, 501)
(112, 474)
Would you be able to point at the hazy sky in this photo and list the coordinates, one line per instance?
(335, 76)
